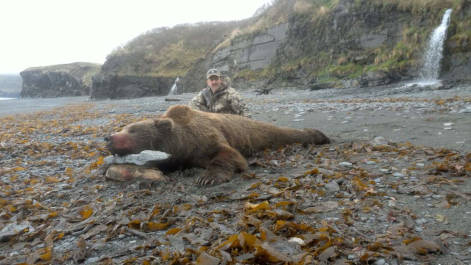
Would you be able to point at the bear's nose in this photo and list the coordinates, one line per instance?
(107, 138)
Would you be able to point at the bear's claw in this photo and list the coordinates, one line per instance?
(208, 180)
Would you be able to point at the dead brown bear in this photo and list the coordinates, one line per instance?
(216, 142)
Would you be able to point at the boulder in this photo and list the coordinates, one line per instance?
(324, 85)
(376, 78)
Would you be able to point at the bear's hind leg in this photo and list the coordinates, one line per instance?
(222, 166)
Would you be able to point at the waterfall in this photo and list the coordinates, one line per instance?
(173, 90)
(434, 53)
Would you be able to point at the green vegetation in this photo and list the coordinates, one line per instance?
(167, 52)
(323, 43)
(331, 61)
(80, 70)
(418, 7)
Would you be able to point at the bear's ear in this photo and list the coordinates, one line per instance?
(163, 124)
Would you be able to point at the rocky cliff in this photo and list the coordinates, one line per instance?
(63, 80)
(304, 43)
(116, 86)
(370, 43)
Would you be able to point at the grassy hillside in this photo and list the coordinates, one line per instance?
(81, 70)
(167, 52)
(324, 40)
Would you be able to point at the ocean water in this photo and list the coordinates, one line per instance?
(9, 106)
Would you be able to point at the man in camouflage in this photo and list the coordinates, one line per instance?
(219, 96)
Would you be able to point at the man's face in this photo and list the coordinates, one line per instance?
(214, 82)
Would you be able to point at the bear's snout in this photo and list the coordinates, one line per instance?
(120, 144)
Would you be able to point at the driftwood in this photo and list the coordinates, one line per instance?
(263, 91)
(172, 99)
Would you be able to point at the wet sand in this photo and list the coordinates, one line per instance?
(29, 105)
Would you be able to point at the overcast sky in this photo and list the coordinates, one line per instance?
(46, 32)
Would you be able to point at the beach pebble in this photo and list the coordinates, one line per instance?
(332, 186)
(398, 175)
(380, 262)
(379, 140)
(297, 240)
(421, 221)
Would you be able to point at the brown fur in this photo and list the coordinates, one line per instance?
(217, 142)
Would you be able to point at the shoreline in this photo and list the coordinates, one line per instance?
(436, 118)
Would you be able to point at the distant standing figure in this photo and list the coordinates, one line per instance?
(219, 96)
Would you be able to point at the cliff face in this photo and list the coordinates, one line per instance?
(308, 43)
(250, 52)
(122, 86)
(58, 80)
(245, 54)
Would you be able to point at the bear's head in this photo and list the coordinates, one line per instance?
(151, 134)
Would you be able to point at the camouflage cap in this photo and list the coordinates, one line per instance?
(213, 72)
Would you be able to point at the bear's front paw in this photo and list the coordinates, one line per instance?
(212, 179)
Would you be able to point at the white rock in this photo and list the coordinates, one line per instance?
(297, 240)
(137, 159)
(345, 164)
(398, 175)
(379, 140)
(380, 262)
(421, 221)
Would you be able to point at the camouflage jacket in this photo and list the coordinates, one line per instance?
(225, 100)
